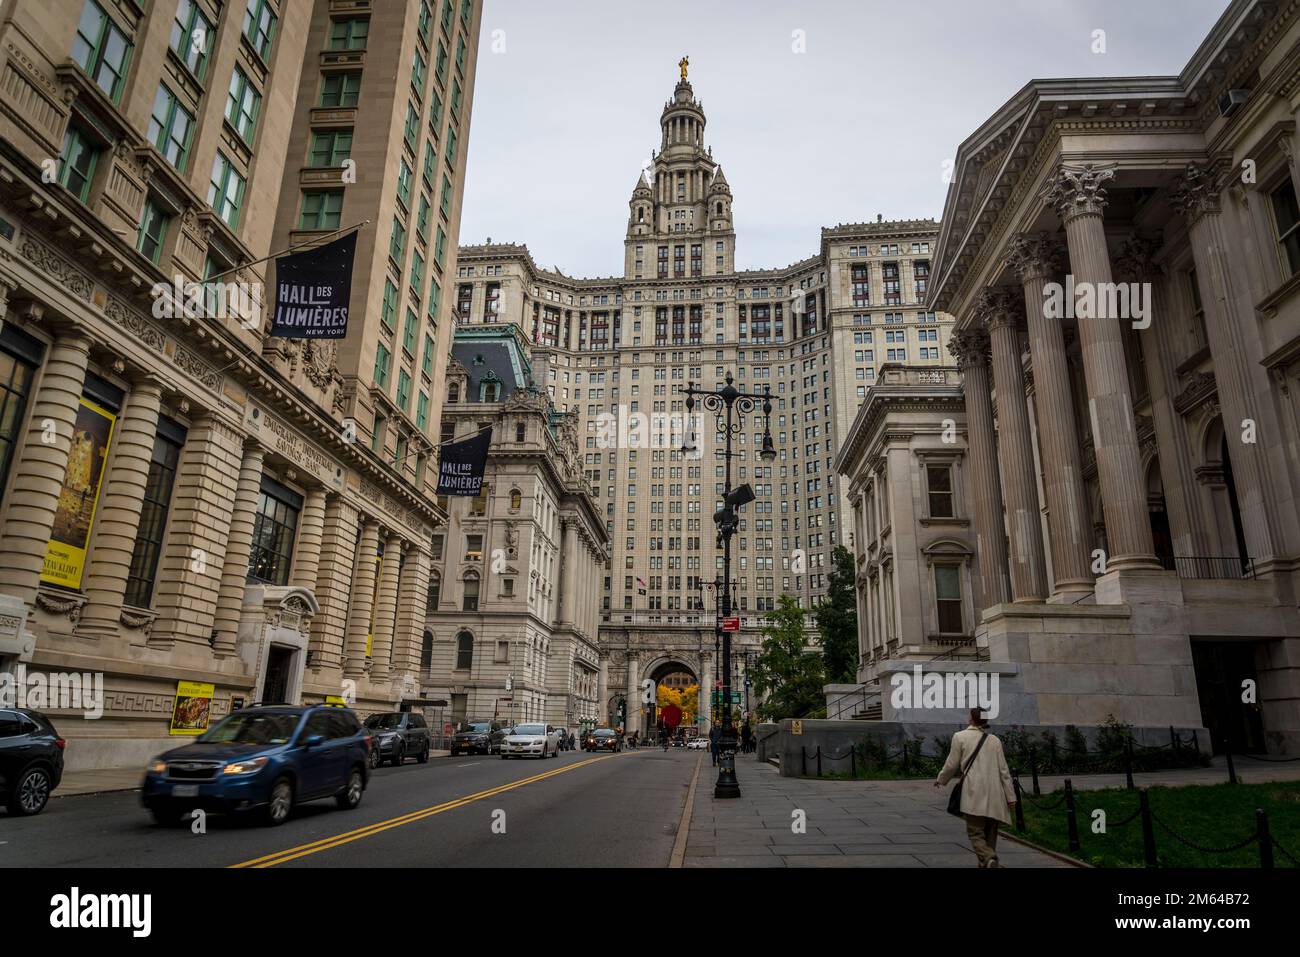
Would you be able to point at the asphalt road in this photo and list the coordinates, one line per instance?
(580, 810)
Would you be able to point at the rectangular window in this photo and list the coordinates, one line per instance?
(274, 527)
(1286, 213)
(440, 248)
(938, 480)
(440, 64)
(77, 162)
(412, 130)
(259, 26)
(170, 127)
(17, 369)
(410, 331)
(191, 38)
(321, 210)
(153, 513)
(226, 191)
(153, 230)
(349, 34)
(947, 593)
(473, 548)
(330, 148)
(404, 176)
(419, 72)
(388, 311)
(450, 153)
(397, 242)
(101, 49)
(383, 361)
(404, 390)
(426, 20)
(340, 89)
(243, 104)
(422, 218)
(444, 198)
(422, 412)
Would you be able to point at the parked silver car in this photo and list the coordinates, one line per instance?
(531, 740)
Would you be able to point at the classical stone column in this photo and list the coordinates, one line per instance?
(363, 600)
(40, 467)
(412, 599)
(999, 309)
(633, 693)
(971, 347)
(307, 548)
(234, 569)
(568, 573)
(381, 648)
(602, 688)
(1077, 193)
(117, 521)
(1268, 510)
(334, 581)
(1034, 259)
(706, 689)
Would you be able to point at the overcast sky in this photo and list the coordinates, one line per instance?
(569, 92)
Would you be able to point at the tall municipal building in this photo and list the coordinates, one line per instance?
(816, 333)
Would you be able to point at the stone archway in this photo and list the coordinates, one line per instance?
(676, 672)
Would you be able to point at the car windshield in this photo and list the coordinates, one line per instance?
(273, 727)
(479, 727)
(530, 729)
(603, 734)
(381, 721)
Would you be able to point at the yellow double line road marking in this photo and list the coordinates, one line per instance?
(325, 844)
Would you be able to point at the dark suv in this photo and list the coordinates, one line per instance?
(477, 737)
(398, 734)
(31, 760)
(266, 759)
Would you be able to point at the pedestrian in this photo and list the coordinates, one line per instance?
(987, 794)
(573, 741)
(744, 737)
(715, 736)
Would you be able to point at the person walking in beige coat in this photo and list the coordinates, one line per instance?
(986, 792)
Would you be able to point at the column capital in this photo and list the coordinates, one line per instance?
(996, 306)
(1135, 258)
(970, 347)
(1199, 190)
(1077, 189)
(1034, 255)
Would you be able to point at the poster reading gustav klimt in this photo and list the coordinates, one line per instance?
(193, 707)
(65, 556)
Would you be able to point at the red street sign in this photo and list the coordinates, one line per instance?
(672, 716)
(731, 624)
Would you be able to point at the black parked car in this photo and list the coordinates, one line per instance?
(31, 760)
(475, 739)
(398, 735)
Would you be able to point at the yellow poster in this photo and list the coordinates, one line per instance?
(65, 556)
(193, 707)
(374, 604)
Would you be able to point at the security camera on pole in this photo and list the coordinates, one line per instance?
(729, 406)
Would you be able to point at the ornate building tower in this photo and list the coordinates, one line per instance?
(681, 204)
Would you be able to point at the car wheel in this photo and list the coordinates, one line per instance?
(399, 755)
(278, 807)
(32, 792)
(455, 753)
(350, 796)
(423, 756)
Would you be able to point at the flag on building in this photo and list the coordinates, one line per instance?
(312, 291)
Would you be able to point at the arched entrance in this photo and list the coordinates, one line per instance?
(675, 682)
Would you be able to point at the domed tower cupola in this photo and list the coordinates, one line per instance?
(682, 120)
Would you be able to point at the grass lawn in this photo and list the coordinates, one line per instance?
(1216, 816)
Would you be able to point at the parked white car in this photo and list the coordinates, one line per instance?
(700, 743)
(531, 740)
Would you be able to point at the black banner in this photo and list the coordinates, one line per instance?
(460, 471)
(312, 290)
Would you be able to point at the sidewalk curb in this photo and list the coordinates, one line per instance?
(1064, 858)
(684, 825)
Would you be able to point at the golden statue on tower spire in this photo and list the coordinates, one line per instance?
(684, 62)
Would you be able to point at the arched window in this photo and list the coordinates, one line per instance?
(516, 499)
(453, 392)
(435, 594)
(426, 652)
(719, 209)
(464, 651)
(640, 214)
(471, 593)
(520, 432)
(491, 391)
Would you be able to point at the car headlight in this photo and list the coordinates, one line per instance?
(158, 766)
(539, 740)
(251, 766)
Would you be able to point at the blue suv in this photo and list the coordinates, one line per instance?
(263, 759)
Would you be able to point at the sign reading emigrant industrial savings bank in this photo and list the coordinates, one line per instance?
(312, 290)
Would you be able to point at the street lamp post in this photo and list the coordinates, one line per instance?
(729, 406)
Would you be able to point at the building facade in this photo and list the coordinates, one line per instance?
(187, 500)
(611, 350)
(514, 604)
(1123, 260)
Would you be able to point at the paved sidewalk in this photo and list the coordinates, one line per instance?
(848, 824)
